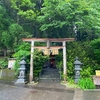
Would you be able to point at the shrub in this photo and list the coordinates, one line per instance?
(86, 72)
(22, 50)
(95, 50)
(3, 63)
(86, 83)
(39, 61)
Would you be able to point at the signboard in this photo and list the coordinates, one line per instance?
(11, 63)
(97, 72)
(96, 80)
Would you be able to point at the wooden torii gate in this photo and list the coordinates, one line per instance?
(48, 40)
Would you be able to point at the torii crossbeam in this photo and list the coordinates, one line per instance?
(48, 40)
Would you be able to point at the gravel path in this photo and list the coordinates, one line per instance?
(41, 91)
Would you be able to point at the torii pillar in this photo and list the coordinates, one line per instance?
(48, 40)
(31, 62)
(64, 60)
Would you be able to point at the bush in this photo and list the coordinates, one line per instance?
(39, 61)
(94, 54)
(3, 63)
(86, 72)
(95, 50)
(86, 83)
(80, 49)
(22, 50)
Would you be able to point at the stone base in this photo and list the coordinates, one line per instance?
(76, 81)
(20, 82)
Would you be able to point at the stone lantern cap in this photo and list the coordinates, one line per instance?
(77, 62)
(22, 62)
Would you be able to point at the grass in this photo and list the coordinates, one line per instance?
(70, 85)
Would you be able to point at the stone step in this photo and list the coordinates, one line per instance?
(50, 75)
(49, 80)
(50, 69)
(48, 72)
(45, 80)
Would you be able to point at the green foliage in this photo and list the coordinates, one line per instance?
(94, 54)
(3, 63)
(72, 53)
(80, 49)
(70, 80)
(60, 18)
(55, 18)
(95, 50)
(16, 66)
(13, 36)
(86, 72)
(59, 63)
(86, 83)
(39, 61)
(63, 17)
(10, 32)
(4, 19)
(16, 32)
(4, 24)
(23, 50)
(25, 8)
(6, 40)
(59, 60)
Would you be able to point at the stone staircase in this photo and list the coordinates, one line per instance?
(50, 75)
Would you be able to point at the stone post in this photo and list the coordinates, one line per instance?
(21, 78)
(64, 61)
(77, 69)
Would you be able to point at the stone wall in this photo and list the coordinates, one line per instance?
(7, 74)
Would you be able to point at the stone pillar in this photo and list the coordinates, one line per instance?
(48, 44)
(31, 62)
(77, 64)
(64, 61)
(21, 78)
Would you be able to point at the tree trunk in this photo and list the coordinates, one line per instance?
(5, 52)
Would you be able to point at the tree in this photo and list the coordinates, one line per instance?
(24, 50)
(5, 21)
(53, 18)
(16, 32)
(69, 18)
(94, 52)
(26, 13)
(60, 18)
(10, 34)
(12, 37)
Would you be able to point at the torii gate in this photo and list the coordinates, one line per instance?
(48, 40)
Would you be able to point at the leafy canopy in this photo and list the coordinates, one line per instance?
(25, 8)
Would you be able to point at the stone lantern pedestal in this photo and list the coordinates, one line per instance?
(21, 78)
(77, 69)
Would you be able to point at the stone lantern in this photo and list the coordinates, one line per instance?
(21, 77)
(77, 69)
